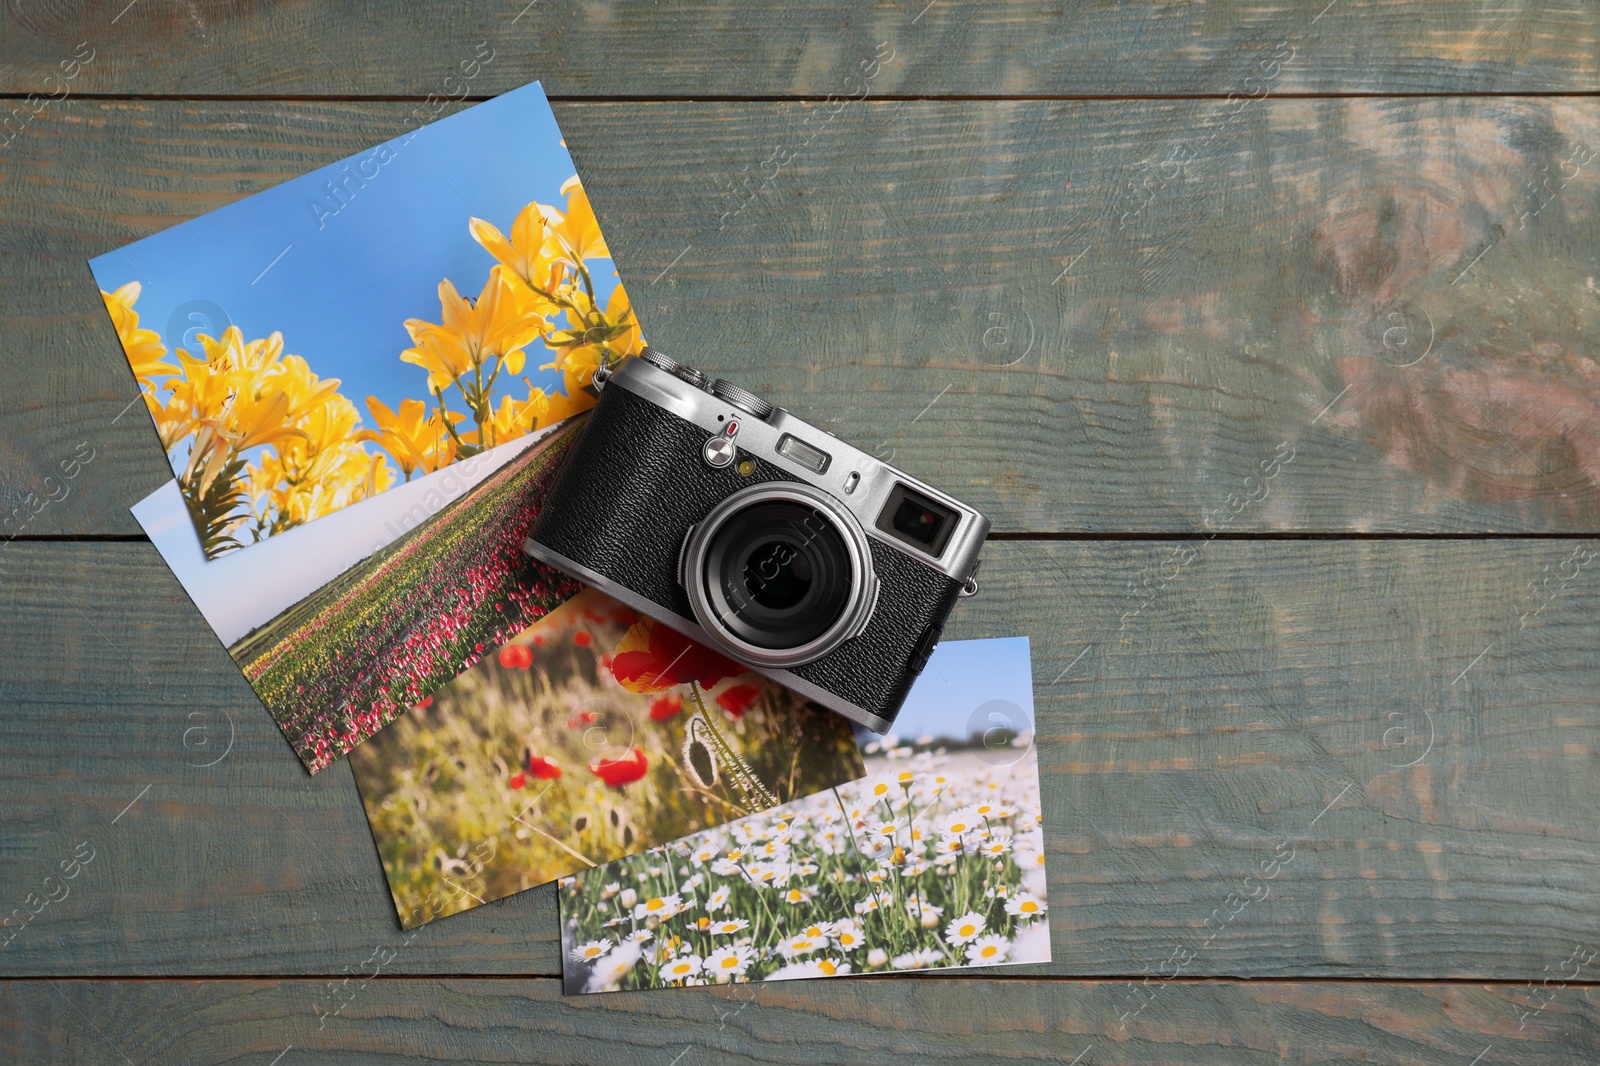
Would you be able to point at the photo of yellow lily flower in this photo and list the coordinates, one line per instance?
(383, 334)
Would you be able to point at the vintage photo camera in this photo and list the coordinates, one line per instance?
(712, 511)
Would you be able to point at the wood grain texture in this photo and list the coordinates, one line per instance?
(843, 1020)
(365, 47)
(1376, 708)
(1074, 315)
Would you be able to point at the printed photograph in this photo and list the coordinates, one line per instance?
(343, 625)
(590, 735)
(323, 341)
(934, 859)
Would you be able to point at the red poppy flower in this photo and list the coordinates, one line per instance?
(538, 638)
(582, 638)
(477, 647)
(516, 657)
(621, 770)
(589, 717)
(652, 657)
(738, 699)
(664, 707)
(518, 780)
(426, 701)
(544, 769)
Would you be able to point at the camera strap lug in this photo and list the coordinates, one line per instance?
(969, 587)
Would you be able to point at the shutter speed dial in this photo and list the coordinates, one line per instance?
(741, 398)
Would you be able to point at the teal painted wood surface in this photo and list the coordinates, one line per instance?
(1095, 268)
(935, 1020)
(637, 48)
(1080, 316)
(1378, 706)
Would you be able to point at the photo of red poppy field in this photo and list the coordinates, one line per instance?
(347, 660)
(590, 735)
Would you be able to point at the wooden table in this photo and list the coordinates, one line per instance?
(1263, 331)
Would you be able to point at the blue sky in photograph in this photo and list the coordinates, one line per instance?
(960, 677)
(339, 283)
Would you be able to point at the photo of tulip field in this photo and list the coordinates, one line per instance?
(934, 859)
(589, 735)
(347, 660)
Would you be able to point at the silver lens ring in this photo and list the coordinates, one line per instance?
(707, 541)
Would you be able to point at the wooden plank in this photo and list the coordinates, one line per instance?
(1074, 315)
(1368, 721)
(844, 1020)
(327, 47)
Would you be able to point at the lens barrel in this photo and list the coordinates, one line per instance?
(779, 574)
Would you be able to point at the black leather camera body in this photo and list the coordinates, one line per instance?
(751, 531)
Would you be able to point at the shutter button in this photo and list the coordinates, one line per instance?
(720, 450)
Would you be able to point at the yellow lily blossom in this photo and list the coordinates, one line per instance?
(580, 230)
(530, 255)
(143, 346)
(415, 437)
(472, 333)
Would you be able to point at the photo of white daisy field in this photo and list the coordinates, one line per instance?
(934, 859)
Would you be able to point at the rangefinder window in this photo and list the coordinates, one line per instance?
(911, 517)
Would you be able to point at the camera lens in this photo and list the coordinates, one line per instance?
(779, 574)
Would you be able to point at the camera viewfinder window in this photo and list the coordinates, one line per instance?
(918, 521)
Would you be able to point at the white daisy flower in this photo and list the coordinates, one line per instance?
(988, 949)
(610, 971)
(1026, 905)
(917, 960)
(800, 894)
(847, 934)
(725, 963)
(877, 957)
(775, 874)
(961, 822)
(681, 969)
(995, 847)
(618, 920)
(729, 926)
(964, 929)
(610, 890)
(877, 847)
(628, 898)
(801, 945)
(638, 936)
(718, 900)
(703, 854)
(594, 949)
(662, 907)
(873, 902)
(726, 868)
